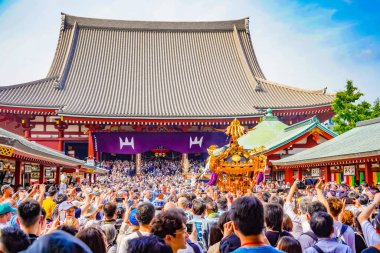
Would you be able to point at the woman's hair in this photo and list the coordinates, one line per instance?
(94, 238)
(71, 230)
(215, 234)
(287, 223)
(289, 244)
(335, 206)
(347, 217)
(110, 232)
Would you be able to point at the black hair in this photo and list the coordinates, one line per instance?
(14, 239)
(212, 207)
(167, 223)
(265, 196)
(120, 211)
(316, 206)
(322, 224)
(222, 203)
(242, 212)
(198, 206)
(145, 213)
(29, 212)
(215, 234)
(363, 199)
(274, 215)
(223, 219)
(69, 229)
(148, 244)
(276, 200)
(109, 210)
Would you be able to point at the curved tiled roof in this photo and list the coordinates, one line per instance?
(359, 142)
(139, 69)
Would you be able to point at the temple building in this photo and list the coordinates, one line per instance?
(351, 157)
(280, 140)
(150, 80)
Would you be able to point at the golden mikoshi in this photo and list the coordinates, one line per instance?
(236, 168)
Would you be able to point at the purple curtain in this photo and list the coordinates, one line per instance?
(134, 143)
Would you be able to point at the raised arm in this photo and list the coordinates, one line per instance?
(292, 191)
(369, 209)
(321, 198)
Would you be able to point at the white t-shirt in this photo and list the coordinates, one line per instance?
(370, 235)
(124, 243)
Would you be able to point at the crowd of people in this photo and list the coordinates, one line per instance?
(169, 213)
(156, 166)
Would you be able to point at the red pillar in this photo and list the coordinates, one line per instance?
(327, 173)
(57, 175)
(368, 173)
(90, 146)
(42, 171)
(299, 174)
(289, 175)
(90, 178)
(17, 173)
(94, 178)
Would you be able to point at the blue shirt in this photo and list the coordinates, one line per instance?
(264, 249)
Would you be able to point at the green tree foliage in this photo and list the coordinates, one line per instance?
(348, 110)
(376, 108)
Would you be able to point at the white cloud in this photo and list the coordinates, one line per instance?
(295, 45)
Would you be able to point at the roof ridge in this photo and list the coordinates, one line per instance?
(368, 122)
(69, 20)
(322, 91)
(28, 83)
(65, 68)
(312, 120)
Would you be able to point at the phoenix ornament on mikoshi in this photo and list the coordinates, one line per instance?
(234, 168)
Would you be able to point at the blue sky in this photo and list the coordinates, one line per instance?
(302, 43)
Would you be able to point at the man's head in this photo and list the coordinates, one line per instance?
(29, 213)
(171, 226)
(145, 213)
(322, 224)
(304, 204)
(68, 207)
(52, 191)
(211, 207)
(109, 210)
(183, 203)
(247, 214)
(6, 211)
(6, 190)
(273, 214)
(13, 239)
(265, 196)
(198, 207)
(222, 203)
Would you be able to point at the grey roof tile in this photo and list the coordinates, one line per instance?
(139, 69)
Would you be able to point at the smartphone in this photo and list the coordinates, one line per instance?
(78, 189)
(62, 216)
(119, 199)
(189, 228)
(311, 181)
